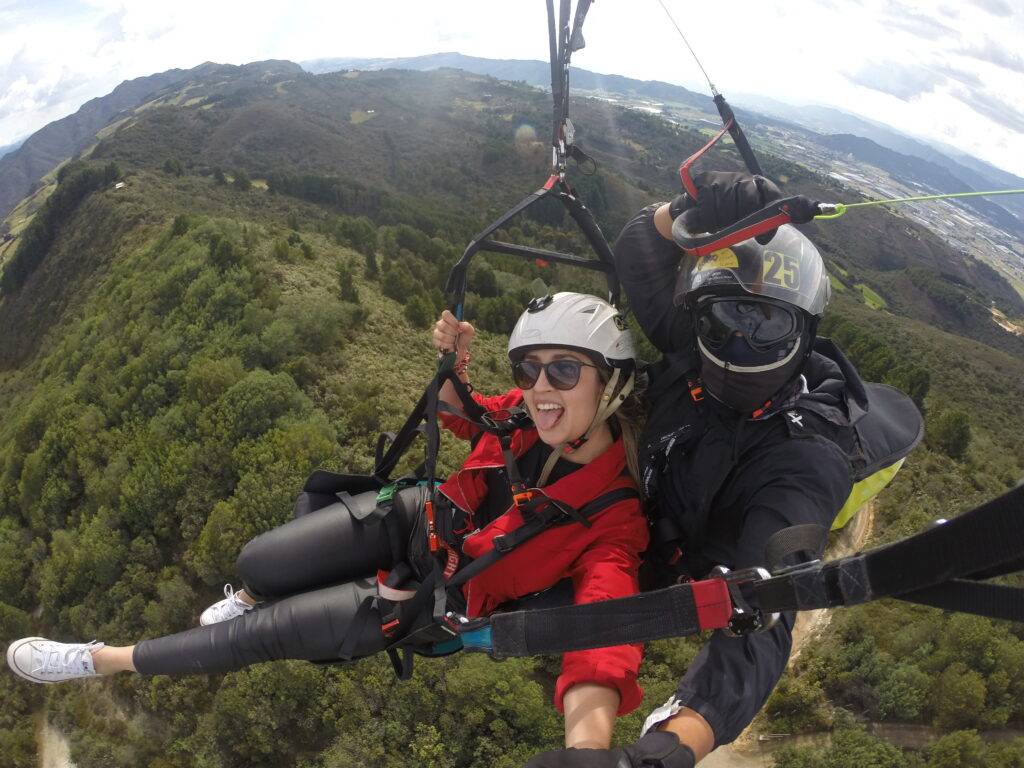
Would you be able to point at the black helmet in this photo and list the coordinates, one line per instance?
(788, 269)
(755, 312)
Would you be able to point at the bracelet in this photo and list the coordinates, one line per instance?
(460, 367)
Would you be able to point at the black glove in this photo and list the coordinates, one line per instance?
(659, 749)
(722, 199)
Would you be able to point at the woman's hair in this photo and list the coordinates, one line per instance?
(627, 423)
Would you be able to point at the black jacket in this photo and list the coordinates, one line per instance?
(727, 482)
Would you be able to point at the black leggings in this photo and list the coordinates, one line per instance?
(313, 573)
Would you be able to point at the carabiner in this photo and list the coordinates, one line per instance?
(745, 619)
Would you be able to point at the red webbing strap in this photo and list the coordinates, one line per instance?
(714, 605)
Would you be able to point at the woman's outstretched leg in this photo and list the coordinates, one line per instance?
(312, 625)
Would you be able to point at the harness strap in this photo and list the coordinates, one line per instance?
(928, 568)
(986, 537)
(673, 612)
(538, 524)
(797, 538)
(406, 609)
(994, 601)
(427, 404)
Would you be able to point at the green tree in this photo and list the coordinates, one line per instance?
(207, 379)
(254, 405)
(398, 283)
(960, 749)
(798, 705)
(913, 379)
(180, 225)
(903, 694)
(347, 288)
(958, 697)
(482, 280)
(797, 757)
(242, 180)
(420, 311)
(856, 748)
(356, 232)
(950, 433)
(174, 167)
(372, 271)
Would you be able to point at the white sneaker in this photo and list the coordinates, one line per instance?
(45, 661)
(228, 608)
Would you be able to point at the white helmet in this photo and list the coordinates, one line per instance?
(576, 321)
(586, 324)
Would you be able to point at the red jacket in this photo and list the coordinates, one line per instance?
(602, 560)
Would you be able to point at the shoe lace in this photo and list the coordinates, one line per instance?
(55, 661)
(232, 605)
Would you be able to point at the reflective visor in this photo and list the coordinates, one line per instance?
(762, 323)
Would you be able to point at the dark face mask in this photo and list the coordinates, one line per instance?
(746, 386)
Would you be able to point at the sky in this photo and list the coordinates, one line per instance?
(947, 70)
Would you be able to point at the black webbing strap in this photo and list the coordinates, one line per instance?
(925, 569)
(414, 424)
(810, 537)
(658, 615)
(994, 601)
(984, 538)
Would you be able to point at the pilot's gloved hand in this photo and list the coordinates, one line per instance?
(723, 198)
(659, 749)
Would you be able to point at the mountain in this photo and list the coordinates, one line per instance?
(11, 147)
(961, 175)
(534, 73)
(391, 136)
(41, 152)
(234, 285)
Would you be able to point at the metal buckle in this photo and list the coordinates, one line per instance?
(505, 420)
(745, 618)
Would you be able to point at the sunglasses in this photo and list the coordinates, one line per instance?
(562, 374)
(763, 324)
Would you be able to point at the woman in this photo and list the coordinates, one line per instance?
(573, 363)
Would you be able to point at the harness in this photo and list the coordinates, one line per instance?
(413, 598)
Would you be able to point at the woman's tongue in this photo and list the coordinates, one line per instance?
(546, 419)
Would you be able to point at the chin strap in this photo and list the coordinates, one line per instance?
(609, 404)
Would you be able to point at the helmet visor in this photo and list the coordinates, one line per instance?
(763, 323)
(789, 269)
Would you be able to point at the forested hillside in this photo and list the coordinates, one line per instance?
(178, 353)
